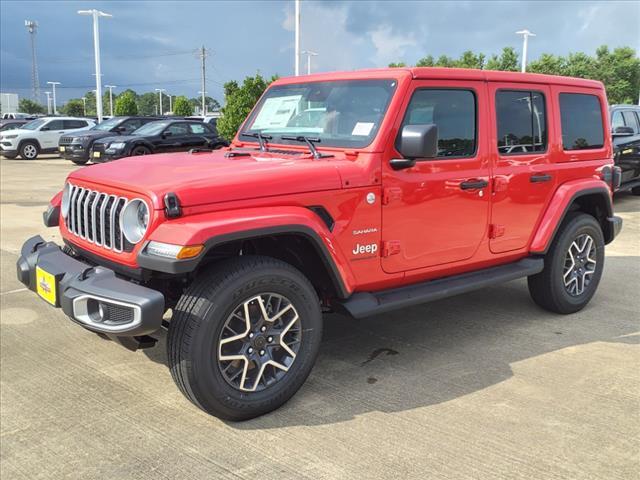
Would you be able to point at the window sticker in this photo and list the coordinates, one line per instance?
(276, 112)
(363, 128)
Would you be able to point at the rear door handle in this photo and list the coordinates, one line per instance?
(473, 184)
(540, 177)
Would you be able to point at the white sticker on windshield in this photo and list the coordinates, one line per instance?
(276, 112)
(363, 128)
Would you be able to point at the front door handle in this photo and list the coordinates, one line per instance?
(473, 184)
(540, 177)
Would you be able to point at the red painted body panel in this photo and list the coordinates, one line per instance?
(427, 226)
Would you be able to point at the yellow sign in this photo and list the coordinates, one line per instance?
(46, 285)
(96, 154)
(61, 149)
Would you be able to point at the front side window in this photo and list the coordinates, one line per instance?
(107, 125)
(522, 124)
(630, 120)
(178, 129)
(453, 112)
(338, 113)
(131, 125)
(152, 128)
(581, 119)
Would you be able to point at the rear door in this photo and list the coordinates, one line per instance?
(436, 212)
(200, 135)
(524, 178)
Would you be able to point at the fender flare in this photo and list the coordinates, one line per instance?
(560, 205)
(32, 140)
(285, 220)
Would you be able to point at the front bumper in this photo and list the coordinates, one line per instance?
(614, 227)
(8, 148)
(73, 152)
(91, 296)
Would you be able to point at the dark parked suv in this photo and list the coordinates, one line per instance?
(77, 147)
(625, 130)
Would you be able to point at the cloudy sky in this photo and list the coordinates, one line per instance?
(147, 45)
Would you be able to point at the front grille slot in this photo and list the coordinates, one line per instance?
(95, 217)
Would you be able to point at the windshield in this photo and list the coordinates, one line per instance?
(153, 128)
(339, 113)
(33, 125)
(107, 125)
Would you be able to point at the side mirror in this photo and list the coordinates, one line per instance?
(120, 129)
(166, 134)
(416, 141)
(45, 129)
(622, 131)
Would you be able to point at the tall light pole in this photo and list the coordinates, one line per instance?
(170, 103)
(55, 109)
(96, 14)
(297, 36)
(84, 106)
(160, 90)
(204, 105)
(110, 87)
(525, 43)
(48, 94)
(309, 54)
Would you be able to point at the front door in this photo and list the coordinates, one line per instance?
(524, 178)
(174, 138)
(49, 138)
(437, 211)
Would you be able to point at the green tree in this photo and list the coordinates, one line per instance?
(73, 108)
(619, 70)
(182, 107)
(126, 104)
(506, 61)
(397, 65)
(148, 104)
(29, 106)
(469, 59)
(239, 100)
(427, 61)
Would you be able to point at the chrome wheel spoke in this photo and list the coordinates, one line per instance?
(579, 264)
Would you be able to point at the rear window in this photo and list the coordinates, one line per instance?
(581, 118)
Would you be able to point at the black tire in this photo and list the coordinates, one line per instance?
(80, 162)
(548, 288)
(196, 330)
(29, 150)
(140, 150)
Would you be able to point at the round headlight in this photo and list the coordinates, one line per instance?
(134, 220)
(66, 200)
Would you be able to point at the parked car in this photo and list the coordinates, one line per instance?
(77, 147)
(39, 136)
(11, 124)
(402, 196)
(625, 130)
(157, 137)
(17, 116)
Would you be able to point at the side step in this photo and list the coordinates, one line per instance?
(363, 304)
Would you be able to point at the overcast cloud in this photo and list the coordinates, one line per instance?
(147, 45)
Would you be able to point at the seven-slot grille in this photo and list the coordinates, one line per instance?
(95, 217)
(65, 140)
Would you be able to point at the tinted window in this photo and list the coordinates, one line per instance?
(630, 120)
(70, 124)
(198, 128)
(581, 118)
(454, 113)
(178, 129)
(131, 125)
(522, 123)
(616, 120)
(55, 125)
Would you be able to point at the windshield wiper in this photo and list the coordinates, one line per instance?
(309, 141)
(261, 139)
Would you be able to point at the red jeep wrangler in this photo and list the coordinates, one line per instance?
(365, 191)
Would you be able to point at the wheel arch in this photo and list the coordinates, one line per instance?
(30, 140)
(593, 199)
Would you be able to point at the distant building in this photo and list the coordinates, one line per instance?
(8, 102)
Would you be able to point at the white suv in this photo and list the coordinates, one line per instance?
(40, 136)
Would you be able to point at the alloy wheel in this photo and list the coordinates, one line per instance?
(579, 265)
(30, 151)
(259, 342)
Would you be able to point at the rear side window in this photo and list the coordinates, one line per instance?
(197, 128)
(630, 120)
(522, 122)
(581, 118)
(70, 124)
(454, 113)
(55, 125)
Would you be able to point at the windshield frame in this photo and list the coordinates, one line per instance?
(394, 88)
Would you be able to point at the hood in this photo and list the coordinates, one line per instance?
(18, 131)
(114, 137)
(209, 177)
(91, 133)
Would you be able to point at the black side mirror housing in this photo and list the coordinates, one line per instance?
(166, 134)
(45, 129)
(622, 131)
(416, 141)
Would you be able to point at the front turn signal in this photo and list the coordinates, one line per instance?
(189, 251)
(178, 252)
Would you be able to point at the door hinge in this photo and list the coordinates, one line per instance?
(390, 247)
(390, 194)
(496, 231)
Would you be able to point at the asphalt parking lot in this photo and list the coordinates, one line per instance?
(481, 386)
